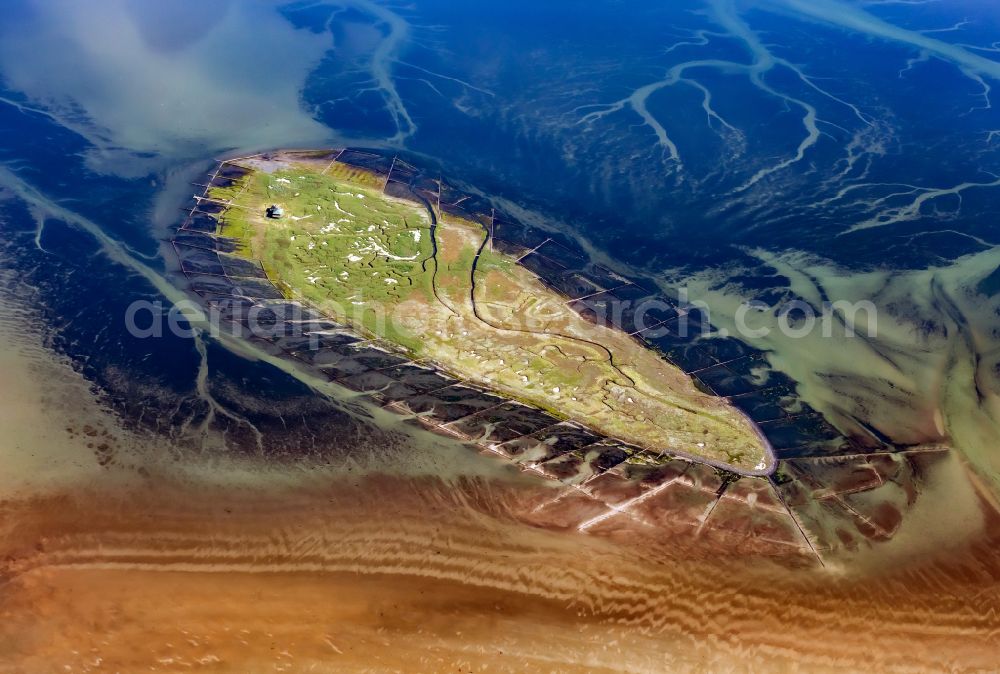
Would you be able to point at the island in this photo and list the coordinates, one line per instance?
(410, 265)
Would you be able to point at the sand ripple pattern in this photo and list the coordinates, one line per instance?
(468, 547)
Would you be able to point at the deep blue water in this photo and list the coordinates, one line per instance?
(105, 107)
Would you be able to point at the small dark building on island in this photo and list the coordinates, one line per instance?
(275, 211)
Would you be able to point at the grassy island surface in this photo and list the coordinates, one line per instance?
(431, 283)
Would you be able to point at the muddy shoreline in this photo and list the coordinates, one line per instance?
(245, 287)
